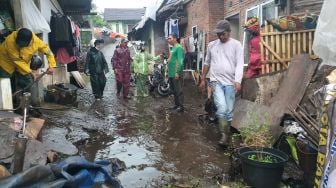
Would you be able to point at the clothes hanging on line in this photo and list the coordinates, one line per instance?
(61, 35)
(173, 26)
(166, 28)
(63, 57)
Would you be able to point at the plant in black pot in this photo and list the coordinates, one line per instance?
(262, 166)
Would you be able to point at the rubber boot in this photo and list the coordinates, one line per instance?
(224, 129)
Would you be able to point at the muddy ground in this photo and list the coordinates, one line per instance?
(158, 147)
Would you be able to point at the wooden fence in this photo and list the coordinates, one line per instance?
(277, 48)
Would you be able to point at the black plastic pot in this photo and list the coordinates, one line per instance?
(307, 159)
(261, 174)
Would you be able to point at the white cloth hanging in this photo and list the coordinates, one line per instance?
(33, 19)
(166, 28)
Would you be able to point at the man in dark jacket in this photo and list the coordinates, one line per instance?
(96, 67)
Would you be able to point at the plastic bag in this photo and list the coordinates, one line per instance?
(34, 20)
(324, 44)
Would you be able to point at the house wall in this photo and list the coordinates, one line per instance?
(117, 26)
(122, 25)
(294, 7)
(153, 36)
(204, 14)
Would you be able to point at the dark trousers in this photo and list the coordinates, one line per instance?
(98, 82)
(176, 86)
(18, 81)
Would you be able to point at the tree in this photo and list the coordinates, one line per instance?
(97, 20)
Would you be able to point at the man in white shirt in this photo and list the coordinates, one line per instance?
(225, 60)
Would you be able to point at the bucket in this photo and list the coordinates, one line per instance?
(262, 174)
(307, 161)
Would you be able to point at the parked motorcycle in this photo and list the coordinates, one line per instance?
(158, 81)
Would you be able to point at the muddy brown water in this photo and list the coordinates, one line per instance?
(157, 146)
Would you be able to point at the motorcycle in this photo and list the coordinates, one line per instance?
(158, 81)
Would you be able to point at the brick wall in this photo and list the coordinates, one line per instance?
(204, 14)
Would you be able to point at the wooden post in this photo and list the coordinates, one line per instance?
(6, 101)
(19, 154)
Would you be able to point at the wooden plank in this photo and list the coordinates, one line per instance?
(5, 94)
(34, 127)
(262, 53)
(278, 50)
(267, 57)
(305, 43)
(266, 50)
(294, 44)
(283, 47)
(4, 172)
(286, 32)
(273, 45)
(299, 43)
(275, 54)
(310, 43)
(289, 49)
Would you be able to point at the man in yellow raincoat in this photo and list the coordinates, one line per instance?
(16, 53)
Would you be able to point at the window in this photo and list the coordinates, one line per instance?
(268, 11)
(264, 11)
(252, 12)
(194, 30)
(117, 27)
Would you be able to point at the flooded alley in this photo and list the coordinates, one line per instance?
(158, 147)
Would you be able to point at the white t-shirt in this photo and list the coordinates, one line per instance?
(226, 61)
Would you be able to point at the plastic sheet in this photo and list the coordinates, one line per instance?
(324, 44)
(73, 172)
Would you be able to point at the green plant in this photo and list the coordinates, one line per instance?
(256, 134)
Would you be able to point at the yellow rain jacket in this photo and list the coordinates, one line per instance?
(12, 58)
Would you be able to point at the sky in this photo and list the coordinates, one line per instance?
(101, 4)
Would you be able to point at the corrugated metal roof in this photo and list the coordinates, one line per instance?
(116, 14)
(75, 6)
(149, 14)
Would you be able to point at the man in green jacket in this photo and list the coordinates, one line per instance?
(140, 68)
(175, 72)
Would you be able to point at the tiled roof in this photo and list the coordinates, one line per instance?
(116, 14)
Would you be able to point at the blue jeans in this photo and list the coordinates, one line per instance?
(224, 98)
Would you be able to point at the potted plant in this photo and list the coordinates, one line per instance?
(262, 166)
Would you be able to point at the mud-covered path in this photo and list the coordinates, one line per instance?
(156, 145)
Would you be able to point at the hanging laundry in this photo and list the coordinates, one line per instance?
(61, 35)
(63, 56)
(174, 29)
(166, 28)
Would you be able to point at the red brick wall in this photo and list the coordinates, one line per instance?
(204, 14)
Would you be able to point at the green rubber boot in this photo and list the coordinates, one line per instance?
(224, 129)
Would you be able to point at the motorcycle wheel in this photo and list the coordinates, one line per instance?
(163, 89)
